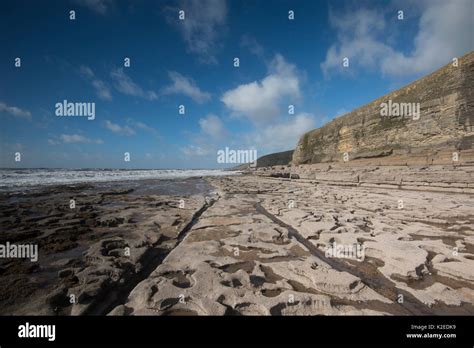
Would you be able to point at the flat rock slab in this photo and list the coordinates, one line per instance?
(249, 245)
(241, 259)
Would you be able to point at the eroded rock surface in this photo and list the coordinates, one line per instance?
(261, 250)
(253, 245)
(88, 255)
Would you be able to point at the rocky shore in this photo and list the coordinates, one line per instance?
(253, 244)
(250, 245)
(92, 254)
(262, 249)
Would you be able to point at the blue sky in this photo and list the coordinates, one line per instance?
(190, 62)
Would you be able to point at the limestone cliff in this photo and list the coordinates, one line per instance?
(445, 124)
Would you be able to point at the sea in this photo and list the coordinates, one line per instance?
(15, 179)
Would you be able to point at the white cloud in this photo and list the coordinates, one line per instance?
(122, 130)
(76, 138)
(103, 91)
(86, 72)
(15, 111)
(212, 125)
(186, 86)
(357, 39)
(130, 128)
(125, 85)
(142, 126)
(362, 36)
(445, 31)
(276, 137)
(282, 136)
(202, 27)
(98, 6)
(206, 142)
(260, 101)
(101, 88)
(252, 45)
(196, 151)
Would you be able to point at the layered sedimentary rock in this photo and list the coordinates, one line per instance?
(445, 124)
(366, 173)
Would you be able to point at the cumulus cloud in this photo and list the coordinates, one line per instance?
(117, 129)
(186, 86)
(101, 88)
(15, 111)
(357, 39)
(125, 85)
(76, 138)
(202, 26)
(260, 101)
(362, 36)
(212, 125)
(276, 137)
(445, 31)
(284, 135)
(98, 6)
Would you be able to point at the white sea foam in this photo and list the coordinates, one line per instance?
(24, 178)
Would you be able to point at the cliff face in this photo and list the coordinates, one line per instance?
(445, 124)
